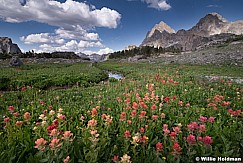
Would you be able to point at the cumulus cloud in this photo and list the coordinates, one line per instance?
(100, 52)
(164, 5)
(105, 51)
(60, 35)
(64, 40)
(74, 21)
(36, 38)
(66, 15)
(76, 33)
(72, 45)
(158, 4)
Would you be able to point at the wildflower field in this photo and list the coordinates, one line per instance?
(156, 113)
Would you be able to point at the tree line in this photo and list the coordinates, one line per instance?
(146, 51)
(32, 54)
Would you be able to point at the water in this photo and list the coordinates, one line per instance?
(115, 75)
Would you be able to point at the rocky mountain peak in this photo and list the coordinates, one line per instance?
(211, 24)
(162, 26)
(220, 17)
(7, 46)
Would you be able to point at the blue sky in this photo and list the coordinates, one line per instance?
(100, 26)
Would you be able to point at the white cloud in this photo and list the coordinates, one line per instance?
(60, 36)
(86, 44)
(64, 40)
(100, 52)
(60, 41)
(75, 23)
(76, 33)
(36, 38)
(66, 15)
(43, 46)
(157, 4)
(105, 51)
(89, 52)
(164, 5)
(72, 45)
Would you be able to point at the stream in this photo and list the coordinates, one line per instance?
(115, 75)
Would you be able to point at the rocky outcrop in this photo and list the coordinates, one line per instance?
(213, 27)
(7, 46)
(95, 57)
(130, 47)
(104, 57)
(227, 54)
(15, 61)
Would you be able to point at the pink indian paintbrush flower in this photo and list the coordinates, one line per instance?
(202, 128)
(191, 139)
(129, 122)
(54, 132)
(115, 158)
(11, 109)
(133, 113)
(159, 147)
(55, 143)
(122, 116)
(40, 144)
(176, 130)
(211, 119)
(19, 123)
(6, 119)
(153, 107)
(154, 117)
(180, 103)
(67, 135)
(142, 130)
(127, 134)
(167, 99)
(176, 149)
(203, 119)
(92, 123)
(207, 140)
(16, 114)
(94, 112)
(27, 115)
(142, 114)
(134, 105)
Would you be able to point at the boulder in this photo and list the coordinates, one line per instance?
(15, 61)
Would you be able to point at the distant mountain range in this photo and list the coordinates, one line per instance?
(94, 57)
(211, 28)
(8, 49)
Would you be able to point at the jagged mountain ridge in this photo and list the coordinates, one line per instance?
(213, 27)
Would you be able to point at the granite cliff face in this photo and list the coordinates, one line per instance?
(211, 28)
(7, 46)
